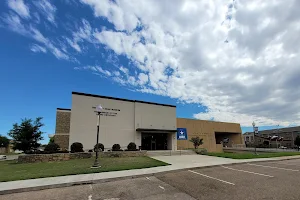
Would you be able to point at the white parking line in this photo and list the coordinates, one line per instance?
(287, 164)
(247, 171)
(294, 170)
(161, 187)
(211, 177)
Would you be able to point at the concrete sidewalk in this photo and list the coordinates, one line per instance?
(177, 163)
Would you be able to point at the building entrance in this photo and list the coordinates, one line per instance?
(154, 141)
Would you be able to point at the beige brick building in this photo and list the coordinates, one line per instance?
(151, 126)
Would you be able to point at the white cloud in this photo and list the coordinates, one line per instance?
(84, 33)
(19, 7)
(238, 59)
(121, 18)
(96, 70)
(124, 70)
(14, 23)
(143, 78)
(37, 48)
(46, 9)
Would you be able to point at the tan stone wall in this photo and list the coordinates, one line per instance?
(62, 122)
(206, 130)
(62, 141)
(3, 150)
(33, 158)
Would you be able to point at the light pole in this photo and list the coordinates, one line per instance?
(97, 163)
(253, 124)
(277, 136)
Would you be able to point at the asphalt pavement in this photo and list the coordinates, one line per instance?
(276, 180)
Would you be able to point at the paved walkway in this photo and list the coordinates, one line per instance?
(177, 163)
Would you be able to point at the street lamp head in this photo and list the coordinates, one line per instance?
(99, 108)
(253, 123)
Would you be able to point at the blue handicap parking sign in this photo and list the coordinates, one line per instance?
(181, 134)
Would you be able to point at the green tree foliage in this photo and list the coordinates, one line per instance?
(27, 135)
(51, 140)
(196, 141)
(4, 141)
(297, 141)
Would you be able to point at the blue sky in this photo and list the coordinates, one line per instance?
(145, 52)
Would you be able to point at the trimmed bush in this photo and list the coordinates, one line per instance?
(116, 147)
(201, 151)
(52, 148)
(90, 150)
(76, 147)
(100, 146)
(131, 146)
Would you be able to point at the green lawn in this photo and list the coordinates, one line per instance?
(252, 155)
(10, 170)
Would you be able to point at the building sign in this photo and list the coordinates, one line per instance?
(109, 112)
(181, 134)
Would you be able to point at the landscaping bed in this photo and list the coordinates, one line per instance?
(252, 155)
(11, 170)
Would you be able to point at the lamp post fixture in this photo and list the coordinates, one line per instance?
(253, 124)
(97, 163)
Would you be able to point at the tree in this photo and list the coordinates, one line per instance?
(297, 141)
(196, 141)
(27, 135)
(4, 141)
(51, 140)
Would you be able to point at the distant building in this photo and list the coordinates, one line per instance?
(274, 137)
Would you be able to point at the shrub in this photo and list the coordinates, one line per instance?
(52, 148)
(201, 151)
(116, 147)
(196, 141)
(90, 151)
(100, 146)
(76, 147)
(131, 146)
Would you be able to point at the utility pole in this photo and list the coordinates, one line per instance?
(253, 124)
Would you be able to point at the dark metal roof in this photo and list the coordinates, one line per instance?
(121, 99)
(150, 129)
(66, 109)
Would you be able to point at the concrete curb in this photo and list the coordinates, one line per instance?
(28, 189)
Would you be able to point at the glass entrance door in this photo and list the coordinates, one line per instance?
(154, 141)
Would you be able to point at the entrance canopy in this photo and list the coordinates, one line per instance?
(149, 130)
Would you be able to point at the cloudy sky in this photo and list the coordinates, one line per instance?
(232, 61)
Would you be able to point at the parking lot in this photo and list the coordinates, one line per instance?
(259, 180)
(265, 180)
